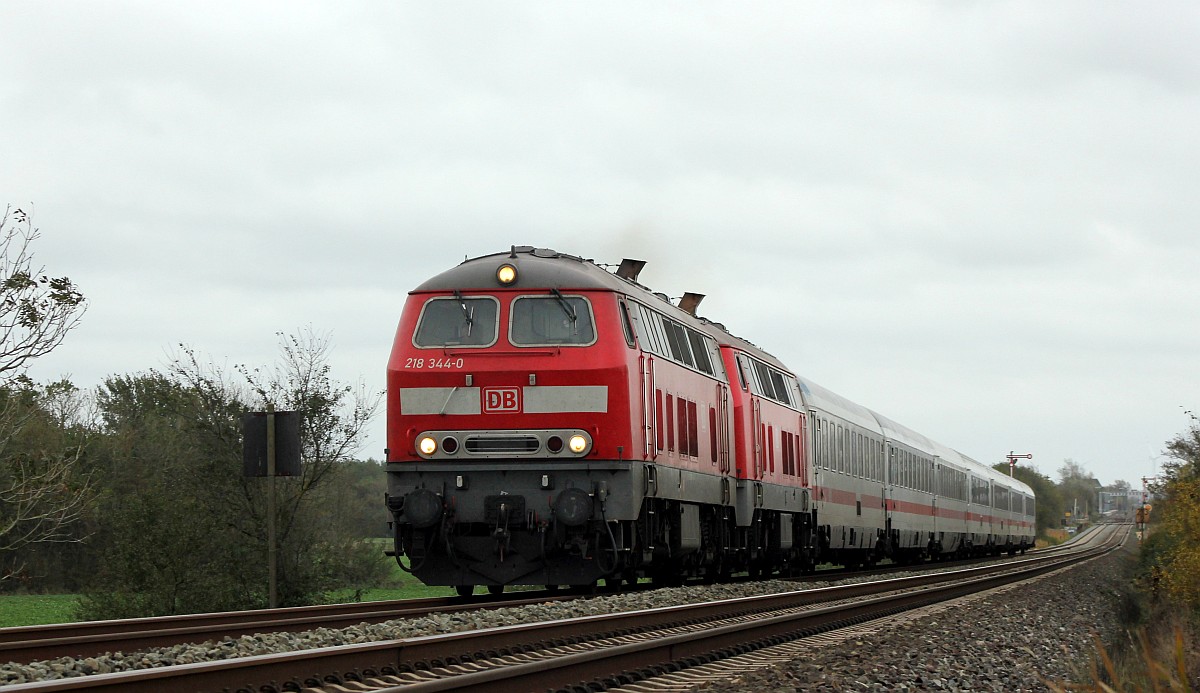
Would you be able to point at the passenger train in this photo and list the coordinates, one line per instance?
(551, 421)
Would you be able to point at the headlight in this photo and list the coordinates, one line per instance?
(423, 508)
(427, 445)
(507, 274)
(578, 444)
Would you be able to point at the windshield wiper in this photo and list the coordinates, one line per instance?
(467, 312)
(562, 302)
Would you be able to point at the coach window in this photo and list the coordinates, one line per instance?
(468, 321)
(830, 448)
(837, 441)
(551, 320)
(823, 446)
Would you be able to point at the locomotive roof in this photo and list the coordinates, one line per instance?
(545, 268)
(540, 267)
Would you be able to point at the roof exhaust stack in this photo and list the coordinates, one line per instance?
(690, 301)
(630, 269)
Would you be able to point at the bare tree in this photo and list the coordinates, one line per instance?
(41, 494)
(41, 498)
(36, 311)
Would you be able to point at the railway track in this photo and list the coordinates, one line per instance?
(90, 638)
(32, 643)
(560, 654)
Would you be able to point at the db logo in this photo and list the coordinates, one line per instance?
(501, 399)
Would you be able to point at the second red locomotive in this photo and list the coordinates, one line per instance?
(554, 423)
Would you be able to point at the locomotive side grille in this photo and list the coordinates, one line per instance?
(503, 444)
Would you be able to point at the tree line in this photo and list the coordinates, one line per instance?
(1170, 556)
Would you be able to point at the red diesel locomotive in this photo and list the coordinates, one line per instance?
(551, 422)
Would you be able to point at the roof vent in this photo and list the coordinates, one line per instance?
(690, 301)
(630, 269)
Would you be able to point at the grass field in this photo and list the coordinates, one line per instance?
(36, 609)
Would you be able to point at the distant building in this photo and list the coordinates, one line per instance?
(1120, 501)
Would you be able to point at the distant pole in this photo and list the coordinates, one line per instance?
(1012, 460)
(272, 598)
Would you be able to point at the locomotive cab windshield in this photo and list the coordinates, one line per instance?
(551, 320)
(468, 321)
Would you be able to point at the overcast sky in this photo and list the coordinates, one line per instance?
(979, 219)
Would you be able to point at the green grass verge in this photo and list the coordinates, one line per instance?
(410, 589)
(36, 609)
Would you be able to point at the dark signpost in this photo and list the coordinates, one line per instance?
(271, 448)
